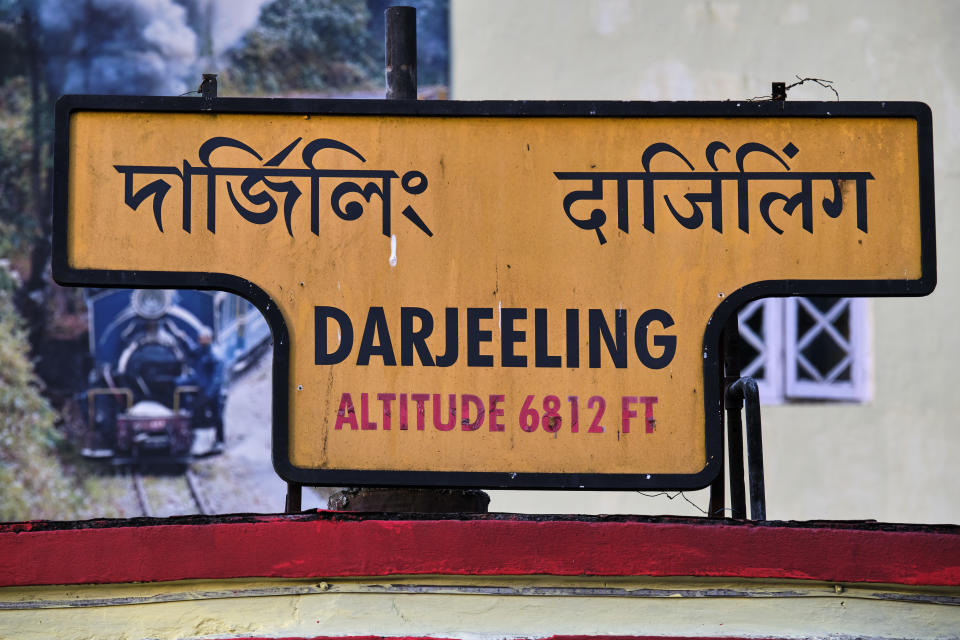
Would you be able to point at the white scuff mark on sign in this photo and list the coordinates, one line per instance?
(393, 250)
(499, 314)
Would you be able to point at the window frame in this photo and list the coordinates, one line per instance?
(780, 354)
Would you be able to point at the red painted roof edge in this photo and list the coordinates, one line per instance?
(327, 545)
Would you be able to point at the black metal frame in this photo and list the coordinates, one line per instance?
(744, 390)
(713, 393)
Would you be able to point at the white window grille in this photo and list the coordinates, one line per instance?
(813, 348)
(761, 347)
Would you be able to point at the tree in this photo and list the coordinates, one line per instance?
(18, 222)
(306, 45)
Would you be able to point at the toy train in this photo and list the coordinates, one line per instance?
(161, 361)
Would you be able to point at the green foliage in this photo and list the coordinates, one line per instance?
(305, 45)
(32, 482)
(13, 49)
(18, 224)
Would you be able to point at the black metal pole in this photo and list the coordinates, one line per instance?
(401, 63)
(758, 499)
(718, 489)
(401, 78)
(294, 498)
(718, 499)
(733, 404)
(738, 497)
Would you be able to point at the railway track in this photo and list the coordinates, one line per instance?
(161, 496)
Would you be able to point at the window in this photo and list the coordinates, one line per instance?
(806, 348)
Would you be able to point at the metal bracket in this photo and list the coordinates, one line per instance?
(736, 390)
(208, 90)
(778, 91)
(745, 390)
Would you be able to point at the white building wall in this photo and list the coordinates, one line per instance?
(897, 457)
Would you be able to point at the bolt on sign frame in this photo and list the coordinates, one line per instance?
(496, 294)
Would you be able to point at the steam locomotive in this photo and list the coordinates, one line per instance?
(161, 360)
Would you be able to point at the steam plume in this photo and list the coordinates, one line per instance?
(118, 46)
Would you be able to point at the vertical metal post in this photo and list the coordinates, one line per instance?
(718, 499)
(758, 498)
(401, 62)
(738, 497)
(718, 489)
(731, 366)
(401, 78)
(745, 390)
(294, 498)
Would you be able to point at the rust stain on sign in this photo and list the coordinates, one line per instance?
(509, 295)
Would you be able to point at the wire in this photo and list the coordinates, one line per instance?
(827, 84)
(684, 496)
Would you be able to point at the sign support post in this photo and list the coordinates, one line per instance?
(401, 53)
(400, 40)
(401, 84)
(735, 392)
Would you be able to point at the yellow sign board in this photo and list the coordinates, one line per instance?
(495, 295)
